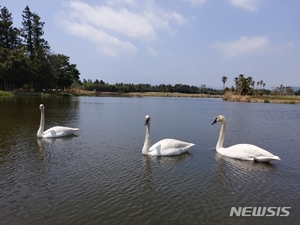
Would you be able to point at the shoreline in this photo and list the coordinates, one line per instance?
(227, 97)
(276, 99)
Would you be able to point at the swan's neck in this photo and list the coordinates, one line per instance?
(41, 128)
(147, 140)
(221, 136)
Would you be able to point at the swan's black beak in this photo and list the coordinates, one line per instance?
(214, 121)
(146, 121)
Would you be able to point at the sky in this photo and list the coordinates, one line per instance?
(191, 42)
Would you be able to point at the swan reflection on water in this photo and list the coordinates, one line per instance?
(154, 167)
(171, 160)
(242, 166)
(52, 142)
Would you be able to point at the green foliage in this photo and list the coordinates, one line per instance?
(26, 60)
(5, 94)
(266, 101)
(243, 85)
(101, 86)
(224, 79)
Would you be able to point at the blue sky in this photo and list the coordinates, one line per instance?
(191, 42)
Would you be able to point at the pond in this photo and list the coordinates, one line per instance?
(99, 175)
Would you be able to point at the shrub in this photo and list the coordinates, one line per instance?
(5, 94)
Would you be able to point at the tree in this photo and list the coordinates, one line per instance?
(63, 73)
(11, 55)
(36, 48)
(202, 88)
(9, 35)
(243, 84)
(289, 90)
(261, 83)
(224, 79)
(236, 82)
(281, 89)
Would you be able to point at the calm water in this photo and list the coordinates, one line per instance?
(101, 177)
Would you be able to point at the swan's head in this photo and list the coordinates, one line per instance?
(219, 118)
(147, 119)
(42, 107)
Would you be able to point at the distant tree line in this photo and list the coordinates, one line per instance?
(101, 86)
(246, 86)
(26, 59)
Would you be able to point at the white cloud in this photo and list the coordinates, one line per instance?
(151, 51)
(113, 2)
(250, 5)
(178, 18)
(105, 43)
(244, 45)
(118, 22)
(290, 45)
(195, 2)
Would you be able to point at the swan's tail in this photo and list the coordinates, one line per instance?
(266, 158)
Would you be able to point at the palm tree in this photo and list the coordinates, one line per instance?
(261, 83)
(281, 89)
(224, 79)
(236, 81)
(243, 84)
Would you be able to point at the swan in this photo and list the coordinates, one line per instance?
(165, 147)
(241, 151)
(53, 132)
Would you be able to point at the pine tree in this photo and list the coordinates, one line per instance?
(11, 55)
(9, 35)
(37, 48)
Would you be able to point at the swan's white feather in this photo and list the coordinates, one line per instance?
(247, 152)
(59, 131)
(165, 147)
(168, 147)
(54, 132)
(241, 151)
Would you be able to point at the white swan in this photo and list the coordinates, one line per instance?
(53, 132)
(165, 147)
(241, 151)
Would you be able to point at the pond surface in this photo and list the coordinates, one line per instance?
(100, 176)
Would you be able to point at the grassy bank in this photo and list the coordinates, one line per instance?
(70, 93)
(229, 96)
(174, 94)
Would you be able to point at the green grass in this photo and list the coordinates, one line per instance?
(278, 97)
(174, 94)
(5, 94)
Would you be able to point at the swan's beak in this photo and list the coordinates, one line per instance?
(214, 121)
(146, 121)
